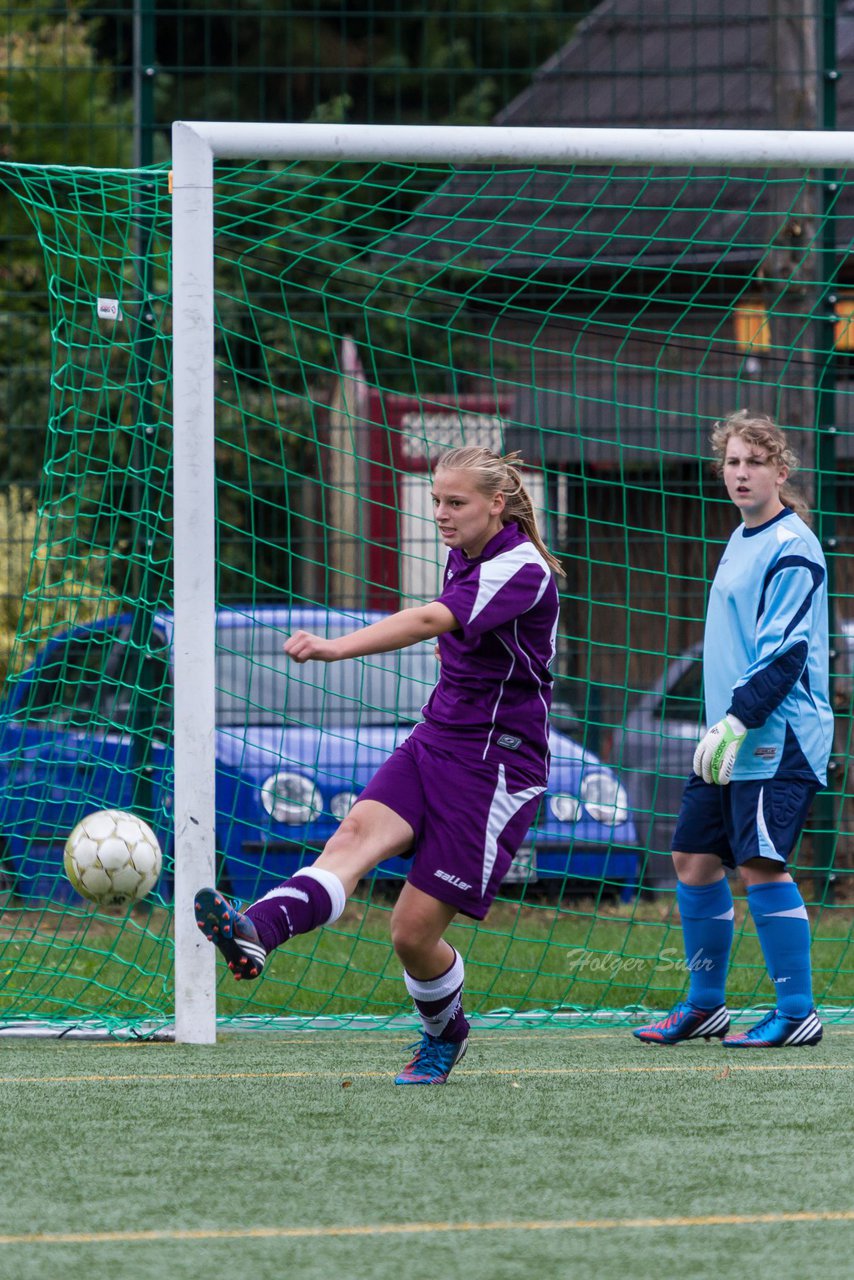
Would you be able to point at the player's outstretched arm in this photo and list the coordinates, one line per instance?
(397, 631)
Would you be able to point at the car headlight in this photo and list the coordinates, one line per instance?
(605, 799)
(291, 798)
(340, 805)
(564, 807)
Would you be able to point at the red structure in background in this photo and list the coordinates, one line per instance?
(405, 435)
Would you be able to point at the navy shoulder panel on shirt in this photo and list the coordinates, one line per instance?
(754, 701)
(816, 571)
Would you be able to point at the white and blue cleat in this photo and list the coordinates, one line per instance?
(776, 1031)
(684, 1022)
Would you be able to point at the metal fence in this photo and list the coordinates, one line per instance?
(90, 82)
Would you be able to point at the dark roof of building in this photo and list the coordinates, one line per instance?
(633, 63)
(656, 63)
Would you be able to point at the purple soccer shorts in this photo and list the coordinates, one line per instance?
(470, 818)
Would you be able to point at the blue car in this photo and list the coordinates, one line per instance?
(88, 726)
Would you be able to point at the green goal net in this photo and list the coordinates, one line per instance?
(368, 315)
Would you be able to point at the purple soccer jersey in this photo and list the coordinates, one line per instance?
(495, 684)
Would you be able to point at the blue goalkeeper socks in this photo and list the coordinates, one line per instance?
(783, 928)
(707, 928)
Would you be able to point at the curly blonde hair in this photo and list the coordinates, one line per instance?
(761, 432)
(499, 473)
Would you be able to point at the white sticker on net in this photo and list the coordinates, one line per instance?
(109, 309)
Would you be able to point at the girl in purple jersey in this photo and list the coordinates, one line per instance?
(461, 792)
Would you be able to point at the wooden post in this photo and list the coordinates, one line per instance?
(790, 267)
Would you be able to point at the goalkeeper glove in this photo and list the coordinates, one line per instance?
(714, 758)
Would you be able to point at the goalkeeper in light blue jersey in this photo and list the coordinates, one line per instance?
(765, 754)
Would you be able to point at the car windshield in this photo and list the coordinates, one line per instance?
(257, 684)
(683, 699)
(98, 680)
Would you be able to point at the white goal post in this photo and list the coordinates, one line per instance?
(195, 146)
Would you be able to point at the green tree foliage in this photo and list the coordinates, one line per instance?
(433, 62)
(66, 99)
(57, 106)
(58, 102)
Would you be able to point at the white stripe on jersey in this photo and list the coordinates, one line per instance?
(504, 680)
(526, 655)
(503, 807)
(495, 573)
(534, 677)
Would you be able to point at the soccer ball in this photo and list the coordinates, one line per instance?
(112, 858)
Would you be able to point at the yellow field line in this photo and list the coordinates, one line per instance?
(485, 1037)
(288, 1039)
(418, 1228)
(723, 1067)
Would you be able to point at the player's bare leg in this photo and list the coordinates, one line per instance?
(314, 896)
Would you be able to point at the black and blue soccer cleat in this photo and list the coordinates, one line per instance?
(684, 1022)
(432, 1061)
(776, 1031)
(233, 933)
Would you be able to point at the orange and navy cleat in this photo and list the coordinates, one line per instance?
(234, 934)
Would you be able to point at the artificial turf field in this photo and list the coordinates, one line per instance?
(550, 1153)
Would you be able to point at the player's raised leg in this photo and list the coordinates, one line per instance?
(312, 897)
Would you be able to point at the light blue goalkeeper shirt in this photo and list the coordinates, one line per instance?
(765, 655)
